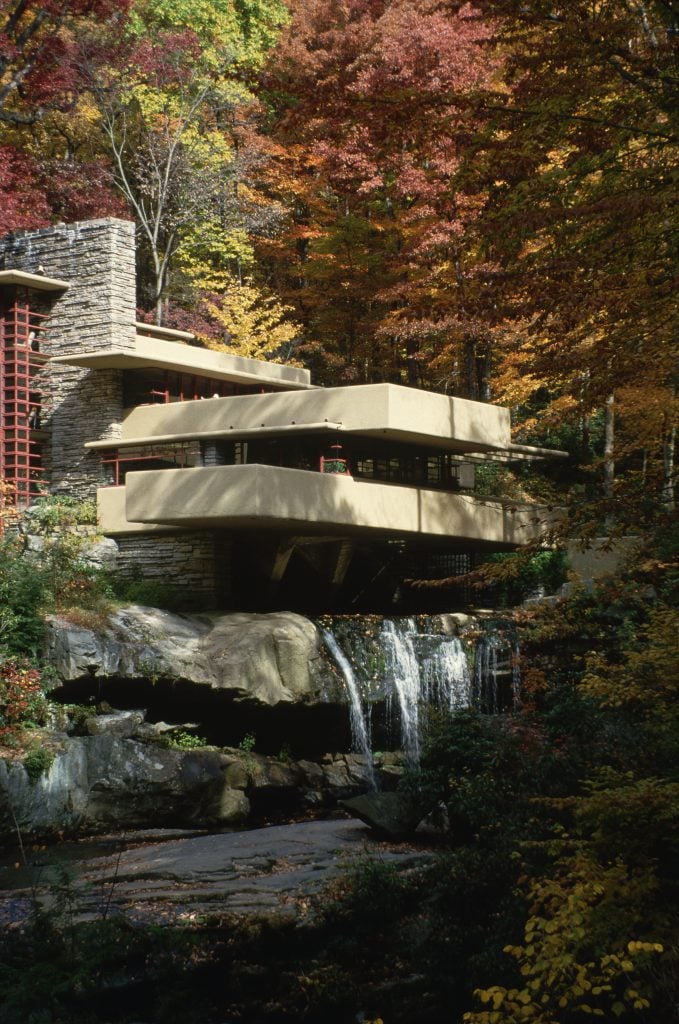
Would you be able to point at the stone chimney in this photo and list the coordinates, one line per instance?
(97, 313)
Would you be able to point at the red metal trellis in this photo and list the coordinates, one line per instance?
(21, 363)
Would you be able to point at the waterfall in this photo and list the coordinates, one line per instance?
(360, 730)
(407, 666)
(496, 671)
(403, 667)
(485, 673)
(446, 682)
(516, 678)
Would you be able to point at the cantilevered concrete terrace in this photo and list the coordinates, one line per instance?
(387, 411)
(248, 494)
(161, 349)
(302, 502)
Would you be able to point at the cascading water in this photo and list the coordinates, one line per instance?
(409, 665)
(359, 720)
(516, 678)
(446, 682)
(404, 670)
(495, 664)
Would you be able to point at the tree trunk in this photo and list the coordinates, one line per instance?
(669, 442)
(609, 447)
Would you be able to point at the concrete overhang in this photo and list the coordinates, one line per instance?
(164, 333)
(226, 435)
(160, 354)
(269, 497)
(381, 411)
(36, 282)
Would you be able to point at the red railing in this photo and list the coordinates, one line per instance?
(114, 464)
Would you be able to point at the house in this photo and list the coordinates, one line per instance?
(234, 479)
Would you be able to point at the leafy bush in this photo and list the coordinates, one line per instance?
(484, 769)
(60, 512)
(37, 762)
(56, 968)
(372, 895)
(493, 480)
(521, 574)
(21, 595)
(180, 739)
(147, 592)
(22, 701)
(68, 581)
(247, 744)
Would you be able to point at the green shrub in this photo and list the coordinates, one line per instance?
(370, 897)
(247, 744)
(524, 574)
(493, 480)
(60, 512)
(485, 770)
(68, 581)
(22, 587)
(37, 762)
(147, 592)
(180, 739)
(54, 578)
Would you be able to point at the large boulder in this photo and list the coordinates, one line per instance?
(109, 780)
(394, 815)
(268, 658)
(97, 783)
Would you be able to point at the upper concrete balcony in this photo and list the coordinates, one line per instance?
(164, 350)
(386, 411)
(255, 497)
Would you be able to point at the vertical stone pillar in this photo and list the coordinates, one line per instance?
(97, 313)
(213, 453)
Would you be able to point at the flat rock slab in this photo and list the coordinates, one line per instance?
(266, 871)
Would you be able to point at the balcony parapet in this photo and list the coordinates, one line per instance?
(258, 497)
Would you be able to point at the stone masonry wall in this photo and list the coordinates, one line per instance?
(98, 312)
(97, 259)
(192, 565)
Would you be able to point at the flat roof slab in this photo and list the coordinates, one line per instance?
(385, 411)
(160, 354)
(37, 282)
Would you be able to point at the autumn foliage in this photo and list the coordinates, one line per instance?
(474, 198)
(20, 689)
(51, 166)
(578, 162)
(375, 103)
